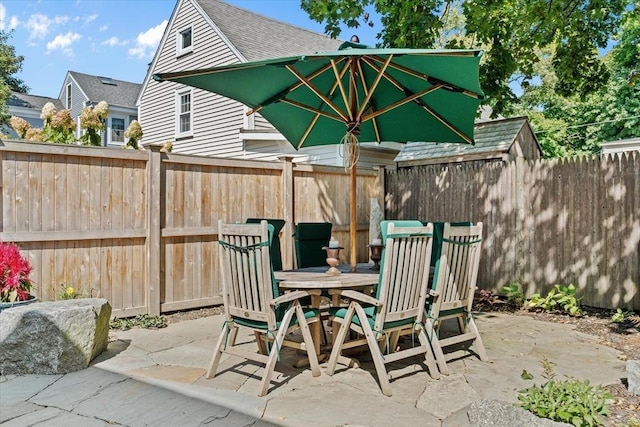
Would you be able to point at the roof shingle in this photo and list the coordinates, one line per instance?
(115, 92)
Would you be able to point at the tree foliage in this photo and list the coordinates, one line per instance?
(10, 64)
(511, 32)
(569, 125)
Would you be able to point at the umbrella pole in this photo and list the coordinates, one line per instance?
(353, 219)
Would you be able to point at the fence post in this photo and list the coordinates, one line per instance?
(520, 230)
(152, 290)
(381, 189)
(287, 212)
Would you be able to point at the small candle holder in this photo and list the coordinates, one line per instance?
(333, 255)
(376, 255)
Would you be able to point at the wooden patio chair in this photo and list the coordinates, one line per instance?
(454, 284)
(397, 308)
(252, 301)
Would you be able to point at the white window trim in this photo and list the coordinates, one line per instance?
(179, 49)
(179, 93)
(68, 96)
(110, 130)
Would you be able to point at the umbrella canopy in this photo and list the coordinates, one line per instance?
(355, 94)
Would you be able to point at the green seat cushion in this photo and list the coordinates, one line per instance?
(370, 312)
(309, 313)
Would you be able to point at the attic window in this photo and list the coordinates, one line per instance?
(184, 41)
(108, 81)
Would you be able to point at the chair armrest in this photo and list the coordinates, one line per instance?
(293, 295)
(358, 296)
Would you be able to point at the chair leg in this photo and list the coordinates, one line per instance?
(482, 352)
(429, 358)
(217, 353)
(432, 334)
(308, 340)
(338, 340)
(260, 340)
(374, 348)
(273, 356)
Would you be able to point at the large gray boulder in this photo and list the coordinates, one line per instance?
(493, 413)
(633, 376)
(53, 337)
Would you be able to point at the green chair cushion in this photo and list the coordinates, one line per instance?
(274, 247)
(341, 312)
(309, 313)
(310, 238)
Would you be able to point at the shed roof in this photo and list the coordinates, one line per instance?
(115, 92)
(492, 139)
(258, 37)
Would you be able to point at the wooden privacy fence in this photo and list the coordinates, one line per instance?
(139, 228)
(546, 222)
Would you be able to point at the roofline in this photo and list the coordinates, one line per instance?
(460, 158)
(64, 84)
(147, 77)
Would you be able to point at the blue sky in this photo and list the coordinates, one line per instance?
(115, 38)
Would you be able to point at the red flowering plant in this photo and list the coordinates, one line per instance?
(15, 284)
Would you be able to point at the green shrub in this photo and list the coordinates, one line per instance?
(620, 316)
(561, 298)
(513, 292)
(571, 401)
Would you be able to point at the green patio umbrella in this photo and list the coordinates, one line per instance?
(355, 94)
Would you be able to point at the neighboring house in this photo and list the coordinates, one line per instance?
(620, 146)
(80, 90)
(495, 140)
(208, 33)
(28, 107)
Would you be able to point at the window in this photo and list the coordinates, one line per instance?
(117, 130)
(184, 41)
(184, 116)
(69, 96)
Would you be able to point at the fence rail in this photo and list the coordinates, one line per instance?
(546, 222)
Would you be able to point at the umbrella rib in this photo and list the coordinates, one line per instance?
(376, 129)
(373, 87)
(338, 81)
(290, 89)
(442, 120)
(401, 102)
(312, 109)
(430, 79)
(307, 83)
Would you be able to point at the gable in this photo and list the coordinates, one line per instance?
(113, 91)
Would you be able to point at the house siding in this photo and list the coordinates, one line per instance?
(78, 98)
(211, 136)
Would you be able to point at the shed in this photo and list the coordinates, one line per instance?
(620, 146)
(495, 140)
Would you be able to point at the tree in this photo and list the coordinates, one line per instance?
(10, 64)
(510, 31)
(579, 124)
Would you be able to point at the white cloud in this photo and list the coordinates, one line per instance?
(91, 18)
(63, 43)
(113, 41)
(103, 28)
(147, 42)
(6, 22)
(39, 25)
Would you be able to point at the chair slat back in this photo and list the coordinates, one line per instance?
(246, 271)
(457, 269)
(405, 277)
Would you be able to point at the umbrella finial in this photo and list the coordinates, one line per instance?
(355, 39)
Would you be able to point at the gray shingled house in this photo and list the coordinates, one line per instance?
(495, 140)
(80, 90)
(28, 107)
(207, 33)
